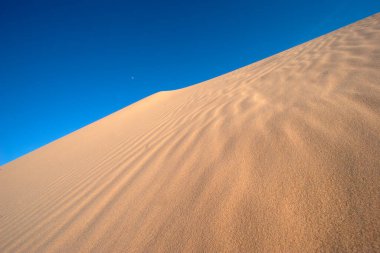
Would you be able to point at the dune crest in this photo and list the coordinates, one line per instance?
(279, 156)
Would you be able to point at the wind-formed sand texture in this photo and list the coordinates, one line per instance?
(280, 156)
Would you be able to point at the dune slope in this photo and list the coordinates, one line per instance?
(280, 156)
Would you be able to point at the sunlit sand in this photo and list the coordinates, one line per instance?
(279, 156)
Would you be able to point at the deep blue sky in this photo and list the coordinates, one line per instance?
(65, 64)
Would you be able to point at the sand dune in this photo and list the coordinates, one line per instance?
(280, 156)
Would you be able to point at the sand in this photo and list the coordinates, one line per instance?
(279, 156)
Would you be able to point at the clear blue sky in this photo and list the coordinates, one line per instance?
(65, 64)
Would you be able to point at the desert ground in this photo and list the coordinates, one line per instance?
(282, 155)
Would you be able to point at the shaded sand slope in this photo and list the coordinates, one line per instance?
(280, 156)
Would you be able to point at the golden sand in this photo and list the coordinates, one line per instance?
(280, 156)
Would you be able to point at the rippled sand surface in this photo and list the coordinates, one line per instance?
(280, 156)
